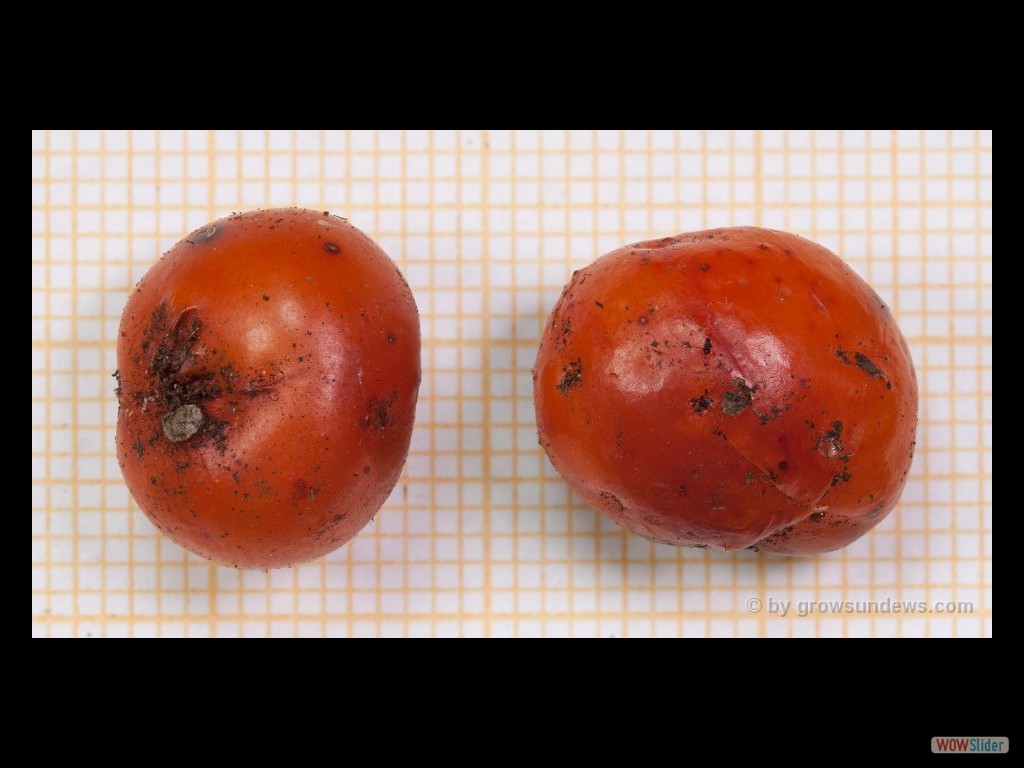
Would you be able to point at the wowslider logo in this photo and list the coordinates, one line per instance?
(978, 745)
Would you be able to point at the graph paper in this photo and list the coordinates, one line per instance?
(481, 537)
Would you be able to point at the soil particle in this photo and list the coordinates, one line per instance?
(183, 422)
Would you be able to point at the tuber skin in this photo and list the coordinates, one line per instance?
(268, 369)
(729, 388)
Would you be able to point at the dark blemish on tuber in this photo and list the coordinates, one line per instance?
(332, 248)
(379, 416)
(265, 297)
(867, 366)
(843, 476)
(572, 375)
(614, 500)
(180, 395)
(816, 516)
(707, 346)
(701, 403)
(599, 305)
(864, 363)
(736, 401)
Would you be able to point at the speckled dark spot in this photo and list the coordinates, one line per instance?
(701, 403)
(734, 402)
(379, 416)
(572, 375)
(843, 476)
(612, 499)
